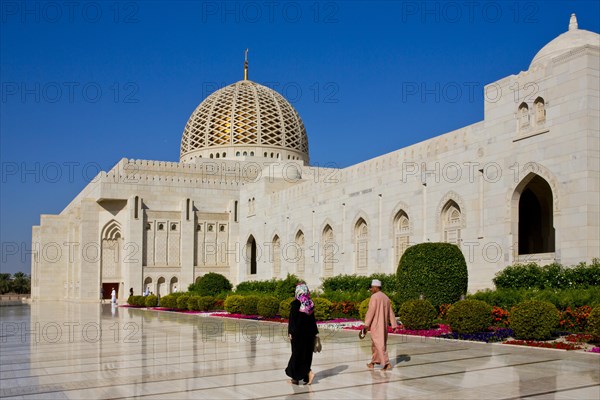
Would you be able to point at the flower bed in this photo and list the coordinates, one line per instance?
(594, 350)
(441, 330)
(547, 345)
(497, 335)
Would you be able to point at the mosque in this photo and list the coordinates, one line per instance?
(521, 185)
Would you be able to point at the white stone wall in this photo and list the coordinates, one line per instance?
(480, 169)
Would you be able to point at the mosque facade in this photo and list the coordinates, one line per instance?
(521, 185)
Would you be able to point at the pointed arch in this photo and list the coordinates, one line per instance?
(401, 234)
(533, 212)
(329, 250)
(361, 245)
(112, 230)
(276, 255)
(299, 241)
(251, 255)
(451, 219)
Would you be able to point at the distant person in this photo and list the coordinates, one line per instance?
(131, 291)
(175, 289)
(302, 329)
(113, 296)
(147, 291)
(379, 315)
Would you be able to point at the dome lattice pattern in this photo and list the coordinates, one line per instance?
(244, 113)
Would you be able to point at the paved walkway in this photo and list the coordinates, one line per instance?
(90, 351)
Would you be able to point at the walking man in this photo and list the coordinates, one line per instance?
(379, 316)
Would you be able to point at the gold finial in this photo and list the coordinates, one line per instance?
(246, 66)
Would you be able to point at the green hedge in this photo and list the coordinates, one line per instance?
(322, 308)
(553, 276)
(594, 323)
(267, 287)
(287, 287)
(436, 270)
(249, 305)
(193, 303)
(561, 298)
(534, 320)
(417, 314)
(151, 301)
(211, 284)
(182, 302)
(469, 316)
(139, 301)
(358, 284)
(268, 306)
(205, 303)
(284, 307)
(234, 304)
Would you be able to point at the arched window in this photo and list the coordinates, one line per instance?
(329, 250)
(452, 222)
(299, 242)
(251, 254)
(361, 235)
(401, 235)
(276, 255)
(540, 111)
(523, 115)
(536, 223)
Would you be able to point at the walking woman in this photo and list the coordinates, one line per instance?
(302, 329)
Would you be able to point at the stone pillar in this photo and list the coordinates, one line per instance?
(90, 247)
(132, 250)
(187, 245)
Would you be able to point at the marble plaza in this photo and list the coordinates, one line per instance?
(90, 351)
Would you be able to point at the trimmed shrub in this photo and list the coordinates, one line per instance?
(267, 287)
(284, 307)
(233, 304)
(249, 304)
(165, 301)
(193, 303)
(139, 301)
(594, 323)
(533, 319)
(268, 306)
(205, 303)
(561, 298)
(503, 298)
(436, 270)
(417, 314)
(151, 301)
(363, 308)
(182, 302)
(344, 309)
(552, 276)
(287, 287)
(322, 308)
(469, 316)
(211, 284)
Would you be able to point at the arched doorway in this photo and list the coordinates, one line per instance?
(161, 287)
(174, 285)
(535, 218)
(147, 285)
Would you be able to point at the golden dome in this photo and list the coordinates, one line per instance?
(244, 119)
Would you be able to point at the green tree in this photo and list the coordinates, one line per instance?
(21, 283)
(4, 283)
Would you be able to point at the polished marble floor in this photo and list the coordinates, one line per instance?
(93, 351)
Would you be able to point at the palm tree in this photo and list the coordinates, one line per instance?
(21, 283)
(5, 283)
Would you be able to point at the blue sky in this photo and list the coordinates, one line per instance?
(84, 84)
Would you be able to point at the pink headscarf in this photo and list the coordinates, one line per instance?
(303, 295)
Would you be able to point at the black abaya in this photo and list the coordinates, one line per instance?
(303, 328)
